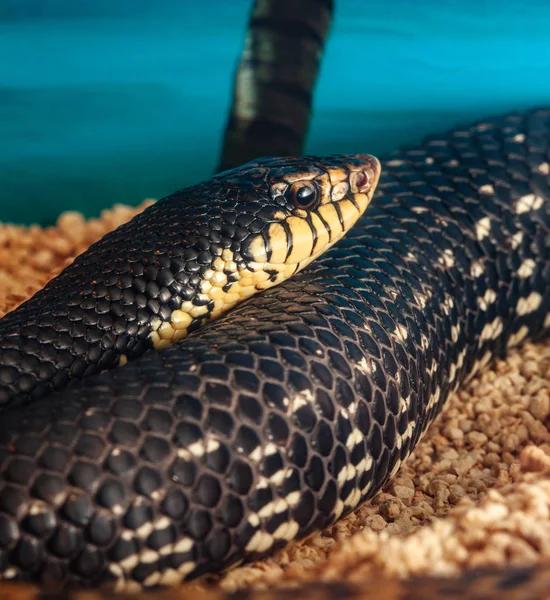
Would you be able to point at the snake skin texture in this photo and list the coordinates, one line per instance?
(299, 404)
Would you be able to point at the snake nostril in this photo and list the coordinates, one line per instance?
(362, 181)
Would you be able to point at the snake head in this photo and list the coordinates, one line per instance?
(304, 206)
(252, 227)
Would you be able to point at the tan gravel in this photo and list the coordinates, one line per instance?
(476, 491)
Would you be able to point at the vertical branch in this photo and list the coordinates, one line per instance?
(275, 79)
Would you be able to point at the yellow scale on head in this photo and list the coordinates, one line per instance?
(316, 207)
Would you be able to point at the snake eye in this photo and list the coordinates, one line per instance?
(304, 195)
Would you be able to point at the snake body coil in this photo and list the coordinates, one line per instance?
(299, 404)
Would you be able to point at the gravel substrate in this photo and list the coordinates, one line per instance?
(476, 492)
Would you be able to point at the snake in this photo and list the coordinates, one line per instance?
(146, 438)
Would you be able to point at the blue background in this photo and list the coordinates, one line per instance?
(105, 101)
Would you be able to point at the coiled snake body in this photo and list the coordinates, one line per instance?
(298, 405)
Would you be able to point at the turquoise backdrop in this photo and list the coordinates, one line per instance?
(105, 101)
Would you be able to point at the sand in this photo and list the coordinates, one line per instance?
(475, 493)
